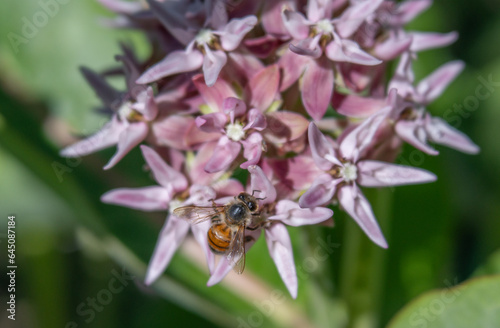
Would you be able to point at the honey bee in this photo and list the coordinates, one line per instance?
(226, 235)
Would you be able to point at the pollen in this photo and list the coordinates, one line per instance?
(235, 131)
(349, 172)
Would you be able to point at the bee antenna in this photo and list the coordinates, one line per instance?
(253, 192)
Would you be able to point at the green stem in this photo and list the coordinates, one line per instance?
(363, 264)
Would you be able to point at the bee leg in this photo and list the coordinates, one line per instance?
(257, 226)
(249, 239)
(213, 203)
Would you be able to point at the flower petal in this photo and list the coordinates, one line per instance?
(429, 40)
(224, 154)
(214, 96)
(349, 51)
(246, 65)
(178, 61)
(404, 77)
(320, 193)
(298, 172)
(146, 104)
(108, 95)
(212, 122)
(200, 195)
(122, 7)
(106, 137)
(295, 23)
(284, 126)
(153, 198)
(228, 187)
(356, 141)
(440, 132)
(280, 249)
(235, 31)
(308, 47)
(234, 107)
(379, 174)
(355, 15)
(252, 147)
(174, 130)
(212, 65)
(409, 9)
(221, 270)
(317, 87)
(256, 120)
(260, 182)
(356, 205)
(414, 133)
(200, 234)
(271, 18)
(392, 47)
(171, 236)
(263, 87)
(163, 173)
(292, 65)
(172, 14)
(320, 9)
(356, 106)
(129, 138)
(433, 85)
(291, 214)
(320, 148)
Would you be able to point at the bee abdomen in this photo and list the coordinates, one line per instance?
(219, 238)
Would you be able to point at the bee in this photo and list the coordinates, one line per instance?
(226, 235)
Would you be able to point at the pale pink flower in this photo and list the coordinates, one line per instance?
(206, 45)
(243, 123)
(170, 193)
(309, 36)
(344, 168)
(129, 124)
(415, 125)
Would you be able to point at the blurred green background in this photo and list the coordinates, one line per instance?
(71, 248)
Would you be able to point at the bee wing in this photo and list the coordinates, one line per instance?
(236, 253)
(197, 214)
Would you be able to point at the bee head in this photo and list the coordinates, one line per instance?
(250, 201)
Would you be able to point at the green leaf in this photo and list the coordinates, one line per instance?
(492, 266)
(475, 303)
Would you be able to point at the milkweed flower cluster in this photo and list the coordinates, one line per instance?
(247, 87)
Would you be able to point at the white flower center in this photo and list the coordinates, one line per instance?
(204, 37)
(325, 26)
(125, 111)
(174, 203)
(235, 131)
(349, 172)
